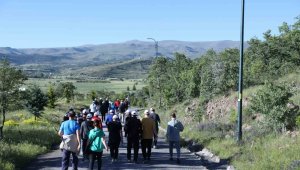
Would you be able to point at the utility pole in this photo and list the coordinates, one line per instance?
(159, 82)
(240, 98)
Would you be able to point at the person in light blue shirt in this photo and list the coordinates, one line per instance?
(173, 136)
(69, 131)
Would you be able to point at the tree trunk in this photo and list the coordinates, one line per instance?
(2, 125)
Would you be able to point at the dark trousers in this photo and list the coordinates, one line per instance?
(135, 144)
(66, 158)
(93, 156)
(177, 146)
(146, 145)
(114, 150)
(84, 143)
(155, 141)
(103, 116)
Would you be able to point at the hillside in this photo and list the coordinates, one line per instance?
(91, 57)
(131, 69)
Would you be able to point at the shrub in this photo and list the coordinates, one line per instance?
(271, 100)
(32, 121)
(11, 123)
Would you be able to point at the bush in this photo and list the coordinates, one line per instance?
(32, 121)
(11, 123)
(271, 100)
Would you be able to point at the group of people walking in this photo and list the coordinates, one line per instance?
(90, 137)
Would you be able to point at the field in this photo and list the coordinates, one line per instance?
(86, 86)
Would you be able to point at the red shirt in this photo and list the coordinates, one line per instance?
(117, 103)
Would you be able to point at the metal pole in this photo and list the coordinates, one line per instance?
(156, 55)
(156, 46)
(239, 136)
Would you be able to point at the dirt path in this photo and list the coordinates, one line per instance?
(159, 160)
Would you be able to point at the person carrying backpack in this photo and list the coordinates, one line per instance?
(98, 143)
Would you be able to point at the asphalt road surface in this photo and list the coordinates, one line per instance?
(159, 160)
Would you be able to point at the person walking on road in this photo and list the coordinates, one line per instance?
(148, 127)
(173, 136)
(156, 119)
(133, 128)
(85, 128)
(115, 136)
(69, 131)
(96, 137)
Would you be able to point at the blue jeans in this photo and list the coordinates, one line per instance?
(177, 146)
(66, 158)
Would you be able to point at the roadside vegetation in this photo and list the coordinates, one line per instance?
(203, 93)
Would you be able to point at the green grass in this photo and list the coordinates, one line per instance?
(86, 87)
(25, 138)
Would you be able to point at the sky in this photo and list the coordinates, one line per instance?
(68, 23)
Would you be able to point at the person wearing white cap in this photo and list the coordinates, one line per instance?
(109, 117)
(148, 126)
(133, 128)
(114, 137)
(85, 128)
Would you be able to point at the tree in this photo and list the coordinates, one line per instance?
(128, 89)
(36, 100)
(10, 81)
(51, 96)
(68, 91)
(134, 88)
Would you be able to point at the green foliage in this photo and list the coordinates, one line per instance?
(271, 100)
(134, 88)
(93, 95)
(298, 121)
(36, 100)
(68, 91)
(11, 123)
(128, 89)
(22, 144)
(233, 116)
(52, 98)
(10, 81)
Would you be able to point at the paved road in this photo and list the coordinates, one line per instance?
(159, 160)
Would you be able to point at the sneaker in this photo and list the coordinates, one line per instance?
(178, 161)
(112, 161)
(171, 159)
(128, 160)
(144, 161)
(154, 147)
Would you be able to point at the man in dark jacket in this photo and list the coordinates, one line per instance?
(156, 119)
(85, 127)
(115, 136)
(133, 128)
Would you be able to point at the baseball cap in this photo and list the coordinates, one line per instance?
(89, 116)
(134, 113)
(115, 117)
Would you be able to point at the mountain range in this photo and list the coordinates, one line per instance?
(84, 57)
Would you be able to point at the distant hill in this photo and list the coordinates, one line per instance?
(92, 57)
